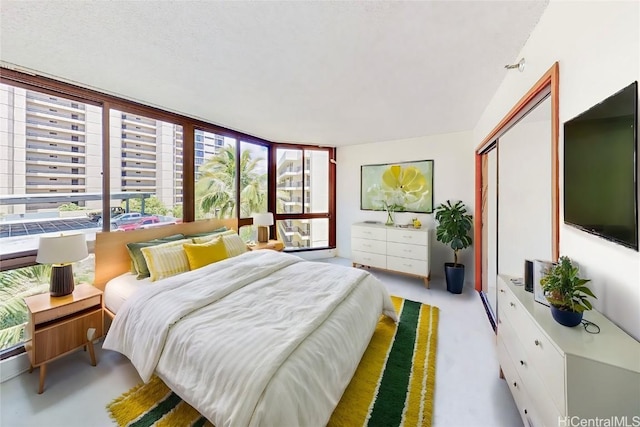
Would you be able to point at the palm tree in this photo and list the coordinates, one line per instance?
(215, 188)
(15, 285)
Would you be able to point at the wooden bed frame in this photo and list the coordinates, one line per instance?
(112, 257)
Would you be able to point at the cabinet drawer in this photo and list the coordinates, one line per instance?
(407, 265)
(57, 339)
(524, 366)
(517, 387)
(368, 245)
(374, 233)
(64, 310)
(407, 236)
(370, 259)
(403, 250)
(544, 358)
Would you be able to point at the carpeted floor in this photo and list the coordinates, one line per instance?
(393, 384)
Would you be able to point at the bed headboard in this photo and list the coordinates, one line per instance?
(112, 257)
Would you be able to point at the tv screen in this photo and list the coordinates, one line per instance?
(600, 169)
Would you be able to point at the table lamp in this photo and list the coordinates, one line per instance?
(61, 251)
(263, 221)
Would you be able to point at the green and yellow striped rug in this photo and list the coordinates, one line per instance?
(393, 385)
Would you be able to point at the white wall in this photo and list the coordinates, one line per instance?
(453, 178)
(597, 45)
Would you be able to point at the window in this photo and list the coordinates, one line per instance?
(302, 202)
(215, 179)
(34, 178)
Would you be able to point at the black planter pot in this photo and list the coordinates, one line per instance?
(454, 276)
(566, 318)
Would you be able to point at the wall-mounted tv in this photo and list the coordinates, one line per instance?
(403, 186)
(601, 169)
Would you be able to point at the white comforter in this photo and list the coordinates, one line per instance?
(262, 339)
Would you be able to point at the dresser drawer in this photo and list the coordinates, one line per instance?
(403, 250)
(50, 342)
(370, 259)
(64, 310)
(544, 358)
(368, 245)
(407, 265)
(545, 407)
(375, 233)
(407, 236)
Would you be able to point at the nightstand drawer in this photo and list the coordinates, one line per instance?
(59, 338)
(65, 310)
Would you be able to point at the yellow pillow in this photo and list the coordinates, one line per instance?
(165, 260)
(201, 254)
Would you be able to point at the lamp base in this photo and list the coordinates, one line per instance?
(263, 234)
(61, 280)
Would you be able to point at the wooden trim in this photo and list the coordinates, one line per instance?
(477, 226)
(332, 198)
(549, 79)
(112, 257)
(188, 173)
(106, 166)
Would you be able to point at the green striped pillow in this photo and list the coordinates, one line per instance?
(166, 260)
(138, 264)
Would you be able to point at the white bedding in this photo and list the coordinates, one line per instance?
(120, 288)
(262, 339)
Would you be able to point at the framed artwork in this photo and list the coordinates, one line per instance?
(540, 268)
(400, 187)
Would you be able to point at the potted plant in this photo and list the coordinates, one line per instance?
(454, 226)
(566, 292)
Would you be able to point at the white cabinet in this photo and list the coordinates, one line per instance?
(555, 372)
(404, 250)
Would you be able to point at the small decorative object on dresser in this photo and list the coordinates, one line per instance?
(403, 250)
(454, 226)
(566, 292)
(57, 326)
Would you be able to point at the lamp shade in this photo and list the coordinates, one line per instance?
(263, 219)
(62, 249)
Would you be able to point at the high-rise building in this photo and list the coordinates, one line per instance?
(50, 144)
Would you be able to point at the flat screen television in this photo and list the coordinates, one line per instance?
(601, 169)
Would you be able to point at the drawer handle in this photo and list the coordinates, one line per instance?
(408, 237)
(366, 246)
(502, 290)
(536, 342)
(512, 304)
(408, 265)
(406, 250)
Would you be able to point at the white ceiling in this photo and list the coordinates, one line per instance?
(329, 73)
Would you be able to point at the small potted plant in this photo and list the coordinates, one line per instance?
(454, 226)
(566, 292)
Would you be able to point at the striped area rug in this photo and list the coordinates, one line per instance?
(393, 385)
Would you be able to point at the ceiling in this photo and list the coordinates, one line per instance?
(328, 73)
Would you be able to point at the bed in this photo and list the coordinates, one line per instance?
(260, 339)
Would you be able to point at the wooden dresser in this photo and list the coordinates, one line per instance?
(555, 372)
(403, 250)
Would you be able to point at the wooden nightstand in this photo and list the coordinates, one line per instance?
(58, 325)
(275, 245)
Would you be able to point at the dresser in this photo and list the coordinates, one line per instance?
(555, 372)
(402, 250)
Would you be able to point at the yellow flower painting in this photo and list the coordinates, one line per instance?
(406, 186)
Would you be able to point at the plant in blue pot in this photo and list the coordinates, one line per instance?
(453, 229)
(566, 292)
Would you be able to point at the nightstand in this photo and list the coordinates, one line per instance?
(275, 245)
(57, 326)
